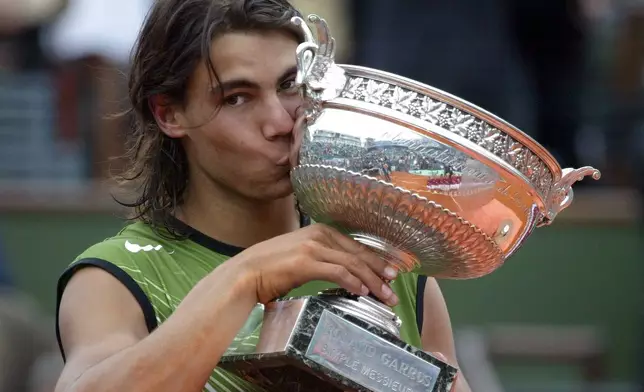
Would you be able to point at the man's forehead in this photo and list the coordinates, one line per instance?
(253, 56)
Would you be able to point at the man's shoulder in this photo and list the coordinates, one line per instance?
(123, 256)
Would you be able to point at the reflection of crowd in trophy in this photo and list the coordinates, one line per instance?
(382, 158)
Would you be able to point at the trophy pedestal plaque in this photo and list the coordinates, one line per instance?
(337, 342)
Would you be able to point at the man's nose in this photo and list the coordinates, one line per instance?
(278, 121)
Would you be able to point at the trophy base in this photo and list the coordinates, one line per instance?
(311, 344)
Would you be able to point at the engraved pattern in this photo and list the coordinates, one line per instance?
(417, 229)
(457, 121)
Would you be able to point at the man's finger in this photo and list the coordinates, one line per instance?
(371, 258)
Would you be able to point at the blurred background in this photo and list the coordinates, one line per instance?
(564, 314)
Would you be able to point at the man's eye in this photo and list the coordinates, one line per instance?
(235, 100)
(288, 86)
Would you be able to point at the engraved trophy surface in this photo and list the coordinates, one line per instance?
(434, 184)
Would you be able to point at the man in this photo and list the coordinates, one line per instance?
(217, 232)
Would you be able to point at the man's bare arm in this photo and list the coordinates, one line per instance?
(437, 335)
(109, 349)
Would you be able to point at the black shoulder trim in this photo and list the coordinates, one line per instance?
(122, 276)
(215, 245)
(420, 302)
(207, 242)
(211, 243)
(305, 220)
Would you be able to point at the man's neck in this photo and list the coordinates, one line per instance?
(237, 221)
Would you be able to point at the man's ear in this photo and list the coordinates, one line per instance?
(167, 116)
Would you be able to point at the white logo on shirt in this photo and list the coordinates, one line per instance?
(135, 248)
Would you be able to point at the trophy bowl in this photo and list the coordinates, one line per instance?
(433, 183)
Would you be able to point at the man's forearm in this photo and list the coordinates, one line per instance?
(182, 353)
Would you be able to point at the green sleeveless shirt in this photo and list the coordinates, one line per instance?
(159, 272)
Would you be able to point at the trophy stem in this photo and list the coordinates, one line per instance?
(366, 308)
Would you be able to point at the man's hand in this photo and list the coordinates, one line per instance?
(317, 252)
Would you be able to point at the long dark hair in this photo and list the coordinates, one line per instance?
(175, 37)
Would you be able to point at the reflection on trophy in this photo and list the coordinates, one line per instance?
(432, 183)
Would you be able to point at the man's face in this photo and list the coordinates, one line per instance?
(244, 147)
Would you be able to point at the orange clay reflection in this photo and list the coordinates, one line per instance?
(484, 208)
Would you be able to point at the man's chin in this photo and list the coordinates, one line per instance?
(277, 190)
(284, 187)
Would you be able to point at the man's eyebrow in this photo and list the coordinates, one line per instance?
(234, 84)
(288, 73)
(246, 83)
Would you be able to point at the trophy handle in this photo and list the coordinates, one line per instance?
(319, 77)
(561, 195)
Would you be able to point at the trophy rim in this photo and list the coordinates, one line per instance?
(477, 111)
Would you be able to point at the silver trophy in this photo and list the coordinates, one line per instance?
(434, 184)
